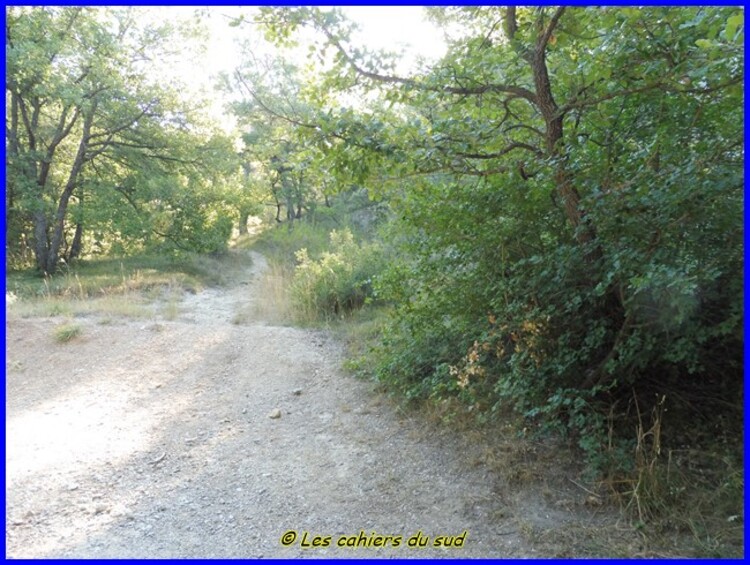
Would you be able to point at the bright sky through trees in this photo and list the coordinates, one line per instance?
(217, 48)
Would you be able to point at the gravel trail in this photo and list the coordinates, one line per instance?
(204, 437)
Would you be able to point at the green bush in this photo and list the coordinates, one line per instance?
(338, 281)
(498, 304)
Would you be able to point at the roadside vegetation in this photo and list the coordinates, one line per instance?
(138, 286)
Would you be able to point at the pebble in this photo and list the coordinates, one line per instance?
(99, 509)
(275, 414)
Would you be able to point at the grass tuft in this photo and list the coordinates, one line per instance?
(67, 332)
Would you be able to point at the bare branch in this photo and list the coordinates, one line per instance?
(111, 133)
(582, 103)
(532, 129)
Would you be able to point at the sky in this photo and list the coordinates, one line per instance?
(382, 27)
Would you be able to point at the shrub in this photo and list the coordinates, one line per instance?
(338, 282)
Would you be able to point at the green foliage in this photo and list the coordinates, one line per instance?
(282, 242)
(568, 226)
(337, 282)
(67, 332)
(103, 157)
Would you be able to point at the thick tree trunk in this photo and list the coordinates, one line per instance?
(13, 153)
(53, 254)
(569, 196)
(76, 247)
(10, 219)
(611, 306)
(37, 166)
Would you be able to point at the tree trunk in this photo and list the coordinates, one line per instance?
(41, 240)
(611, 306)
(62, 206)
(77, 246)
(10, 219)
(244, 216)
(13, 153)
(553, 140)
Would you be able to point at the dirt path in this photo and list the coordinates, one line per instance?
(154, 439)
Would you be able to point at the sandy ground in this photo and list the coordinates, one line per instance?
(202, 437)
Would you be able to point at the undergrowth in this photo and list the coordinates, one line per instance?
(318, 274)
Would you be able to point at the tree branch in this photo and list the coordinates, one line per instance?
(651, 86)
(545, 37)
(505, 151)
(510, 25)
(268, 110)
(110, 133)
(462, 90)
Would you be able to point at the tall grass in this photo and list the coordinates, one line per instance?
(273, 303)
(281, 243)
(113, 276)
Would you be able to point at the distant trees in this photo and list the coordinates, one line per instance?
(281, 143)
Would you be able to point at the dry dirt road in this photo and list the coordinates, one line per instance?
(154, 439)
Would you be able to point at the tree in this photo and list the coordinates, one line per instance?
(549, 172)
(273, 115)
(86, 118)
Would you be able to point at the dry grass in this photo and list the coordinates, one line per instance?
(131, 305)
(684, 502)
(134, 288)
(275, 305)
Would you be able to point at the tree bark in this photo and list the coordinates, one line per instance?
(244, 216)
(76, 247)
(62, 206)
(611, 306)
(41, 242)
